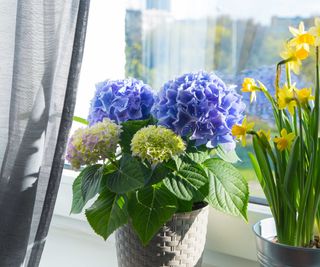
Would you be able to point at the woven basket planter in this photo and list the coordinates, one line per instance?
(179, 243)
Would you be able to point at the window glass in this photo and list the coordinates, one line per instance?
(156, 40)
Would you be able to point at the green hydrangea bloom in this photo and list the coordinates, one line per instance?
(156, 144)
(91, 144)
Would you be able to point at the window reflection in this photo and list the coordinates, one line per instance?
(166, 38)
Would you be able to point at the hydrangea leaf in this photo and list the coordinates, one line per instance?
(91, 180)
(129, 128)
(189, 181)
(77, 198)
(228, 189)
(107, 213)
(129, 176)
(198, 155)
(228, 156)
(149, 209)
(158, 174)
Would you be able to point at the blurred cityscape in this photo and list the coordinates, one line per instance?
(160, 47)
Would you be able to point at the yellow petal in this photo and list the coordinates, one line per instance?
(243, 140)
(250, 126)
(290, 136)
(301, 27)
(294, 31)
(284, 132)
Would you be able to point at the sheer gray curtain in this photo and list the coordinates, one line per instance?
(41, 47)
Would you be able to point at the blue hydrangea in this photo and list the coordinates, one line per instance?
(121, 100)
(200, 106)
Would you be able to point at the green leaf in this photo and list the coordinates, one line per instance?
(77, 199)
(91, 180)
(198, 156)
(292, 165)
(81, 120)
(107, 213)
(158, 174)
(189, 181)
(257, 170)
(129, 176)
(228, 156)
(228, 189)
(149, 209)
(263, 160)
(184, 206)
(129, 128)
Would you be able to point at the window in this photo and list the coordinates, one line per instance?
(156, 40)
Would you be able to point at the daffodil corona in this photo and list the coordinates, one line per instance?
(301, 41)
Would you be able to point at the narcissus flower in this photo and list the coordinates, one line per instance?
(267, 135)
(249, 85)
(315, 31)
(91, 144)
(301, 41)
(304, 95)
(290, 52)
(240, 131)
(285, 140)
(286, 99)
(156, 144)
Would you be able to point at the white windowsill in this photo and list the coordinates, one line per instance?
(71, 241)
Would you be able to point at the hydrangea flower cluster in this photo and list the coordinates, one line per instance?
(156, 144)
(91, 144)
(121, 100)
(200, 106)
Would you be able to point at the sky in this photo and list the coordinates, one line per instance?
(260, 10)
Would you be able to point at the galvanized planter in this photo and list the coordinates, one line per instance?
(272, 254)
(179, 243)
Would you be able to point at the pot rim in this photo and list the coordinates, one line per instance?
(197, 210)
(271, 219)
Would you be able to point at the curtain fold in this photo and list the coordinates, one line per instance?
(40, 54)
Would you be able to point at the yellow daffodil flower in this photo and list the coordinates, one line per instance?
(285, 141)
(240, 131)
(249, 86)
(304, 95)
(301, 40)
(315, 31)
(267, 134)
(286, 99)
(290, 52)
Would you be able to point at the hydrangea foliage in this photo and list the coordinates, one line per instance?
(156, 144)
(91, 144)
(201, 106)
(121, 100)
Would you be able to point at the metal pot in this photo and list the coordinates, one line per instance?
(271, 254)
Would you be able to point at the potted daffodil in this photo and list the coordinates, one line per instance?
(287, 164)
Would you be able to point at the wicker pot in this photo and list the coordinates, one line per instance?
(179, 243)
(271, 254)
